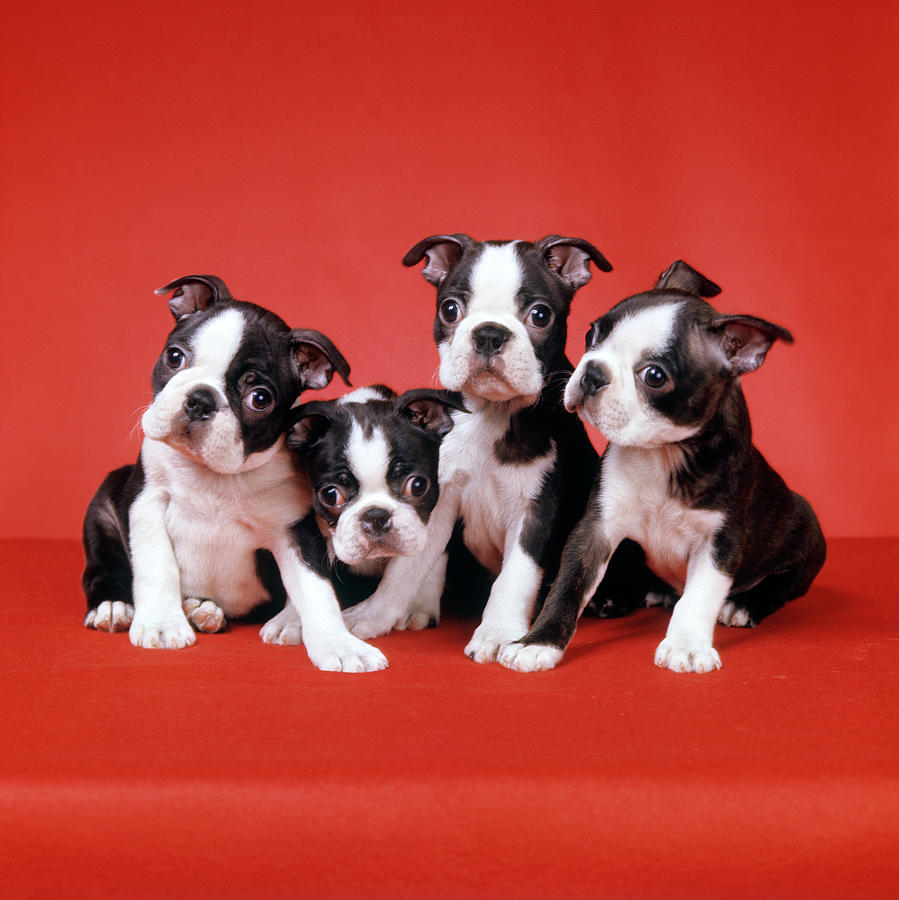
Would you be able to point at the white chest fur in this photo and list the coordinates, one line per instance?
(216, 523)
(495, 497)
(636, 503)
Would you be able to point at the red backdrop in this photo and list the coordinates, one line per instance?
(298, 150)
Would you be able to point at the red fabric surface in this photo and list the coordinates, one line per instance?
(233, 768)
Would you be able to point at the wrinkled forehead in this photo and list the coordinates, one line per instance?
(634, 333)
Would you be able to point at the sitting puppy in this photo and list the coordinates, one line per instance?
(661, 380)
(517, 470)
(188, 535)
(372, 462)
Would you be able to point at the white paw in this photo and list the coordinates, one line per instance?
(110, 616)
(735, 616)
(530, 657)
(346, 654)
(417, 620)
(488, 640)
(366, 621)
(686, 655)
(283, 629)
(204, 615)
(170, 635)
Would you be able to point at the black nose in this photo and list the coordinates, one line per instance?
(375, 521)
(200, 404)
(489, 339)
(594, 379)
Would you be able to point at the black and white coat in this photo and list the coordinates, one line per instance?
(200, 529)
(517, 469)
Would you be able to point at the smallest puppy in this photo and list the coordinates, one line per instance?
(372, 461)
(661, 379)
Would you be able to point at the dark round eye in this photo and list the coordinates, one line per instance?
(332, 496)
(539, 316)
(259, 399)
(654, 377)
(174, 358)
(450, 311)
(416, 486)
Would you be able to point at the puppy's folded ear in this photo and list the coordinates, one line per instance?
(316, 359)
(194, 293)
(311, 423)
(429, 409)
(745, 340)
(680, 276)
(442, 252)
(570, 258)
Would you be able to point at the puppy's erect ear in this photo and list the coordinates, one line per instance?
(682, 277)
(570, 258)
(745, 340)
(430, 409)
(442, 251)
(316, 359)
(194, 293)
(311, 422)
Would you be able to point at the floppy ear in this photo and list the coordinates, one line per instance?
(570, 258)
(442, 251)
(682, 277)
(194, 293)
(312, 421)
(745, 340)
(429, 409)
(316, 359)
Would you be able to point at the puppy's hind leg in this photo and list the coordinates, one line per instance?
(107, 572)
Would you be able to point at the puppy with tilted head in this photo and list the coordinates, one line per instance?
(661, 380)
(516, 470)
(201, 528)
(372, 459)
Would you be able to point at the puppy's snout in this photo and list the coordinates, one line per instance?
(200, 404)
(489, 339)
(375, 521)
(594, 379)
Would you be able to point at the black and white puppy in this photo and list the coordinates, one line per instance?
(661, 380)
(372, 461)
(191, 533)
(517, 470)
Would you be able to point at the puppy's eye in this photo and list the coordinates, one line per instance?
(332, 496)
(539, 316)
(259, 399)
(654, 377)
(416, 486)
(450, 312)
(174, 358)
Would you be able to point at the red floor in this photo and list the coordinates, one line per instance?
(235, 769)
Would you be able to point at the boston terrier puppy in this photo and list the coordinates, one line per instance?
(201, 527)
(517, 470)
(661, 380)
(372, 462)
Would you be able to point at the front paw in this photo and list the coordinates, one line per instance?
(488, 640)
(204, 615)
(110, 616)
(366, 621)
(171, 634)
(687, 655)
(345, 653)
(283, 629)
(530, 657)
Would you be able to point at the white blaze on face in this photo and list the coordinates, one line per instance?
(368, 457)
(621, 410)
(218, 442)
(496, 278)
